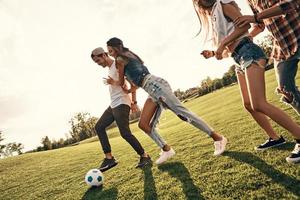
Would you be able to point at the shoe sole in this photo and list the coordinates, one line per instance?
(223, 150)
(145, 165)
(166, 159)
(293, 160)
(257, 149)
(105, 169)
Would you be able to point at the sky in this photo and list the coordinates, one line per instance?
(46, 74)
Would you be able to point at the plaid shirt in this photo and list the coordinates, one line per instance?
(285, 28)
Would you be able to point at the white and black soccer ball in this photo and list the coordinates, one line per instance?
(94, 177)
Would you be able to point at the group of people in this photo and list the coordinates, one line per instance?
(230, 37)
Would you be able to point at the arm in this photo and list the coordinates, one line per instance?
(232, 12)
(274, 11)
(120, 66)
(257, 29)
(133, 88)
(209, 54)
(280, 9)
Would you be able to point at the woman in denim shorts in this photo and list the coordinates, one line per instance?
(251, 69)
(160, 96)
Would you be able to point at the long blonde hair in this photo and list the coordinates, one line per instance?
(203, 15)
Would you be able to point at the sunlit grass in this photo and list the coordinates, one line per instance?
(241, 173)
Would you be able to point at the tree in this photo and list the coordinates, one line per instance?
(10, 148)
(82, 126)
(217, 83)
(47, 145)
(179, 94)
(266, 44)
(1, 146)
(229, 77)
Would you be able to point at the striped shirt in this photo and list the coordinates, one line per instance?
(285, 29)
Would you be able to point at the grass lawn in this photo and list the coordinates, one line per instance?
(241, 173)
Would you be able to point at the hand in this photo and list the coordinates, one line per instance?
(134, 107)
(287, 95)
(207, 54)
(244, 20)
(110, 81)
(219, 52)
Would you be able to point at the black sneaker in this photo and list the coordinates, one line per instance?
(144, 161)
(107, 164)
(294, 157)
(270, 143)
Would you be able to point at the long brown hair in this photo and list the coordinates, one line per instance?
(117, 45)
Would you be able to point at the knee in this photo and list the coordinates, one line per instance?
(259, 107)
(99, 128)
(144, 126)
(126, 135)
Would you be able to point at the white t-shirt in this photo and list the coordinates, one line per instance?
(220, 25)
(117, 95)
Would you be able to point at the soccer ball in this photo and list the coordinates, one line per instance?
(94, 177)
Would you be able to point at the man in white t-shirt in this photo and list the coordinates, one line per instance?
(118, 111)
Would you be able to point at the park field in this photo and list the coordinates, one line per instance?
(194, 173)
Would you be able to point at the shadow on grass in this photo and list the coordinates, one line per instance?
(99, 193)
(149, 184)
(287, 146)
(291, 184)
(179, 171)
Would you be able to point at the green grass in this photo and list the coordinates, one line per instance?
(194, 173)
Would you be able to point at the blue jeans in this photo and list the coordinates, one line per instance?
(286, 71)
(161, 93)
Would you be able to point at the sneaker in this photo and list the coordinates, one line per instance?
(270, 143)
(220, 146)
(294, 157)
(107, 164)
(164, 156)
(144, 161)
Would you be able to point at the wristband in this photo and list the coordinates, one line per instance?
(255, 18)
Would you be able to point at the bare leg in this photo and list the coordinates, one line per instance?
(259, 117)
(256, 87)
(109, 155)
(147, 114)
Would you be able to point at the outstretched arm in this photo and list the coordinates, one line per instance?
(274, 11)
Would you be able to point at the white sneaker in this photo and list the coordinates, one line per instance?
(220, 146)
(294, 157)
(164, 156)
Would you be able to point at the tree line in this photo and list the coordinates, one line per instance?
(209, 85)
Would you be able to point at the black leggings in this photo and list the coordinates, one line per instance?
(120, 114)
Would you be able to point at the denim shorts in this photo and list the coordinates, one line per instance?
(247, 53)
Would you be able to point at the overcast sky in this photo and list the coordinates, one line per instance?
(46, 74)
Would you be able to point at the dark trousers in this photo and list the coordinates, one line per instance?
(120, 114)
